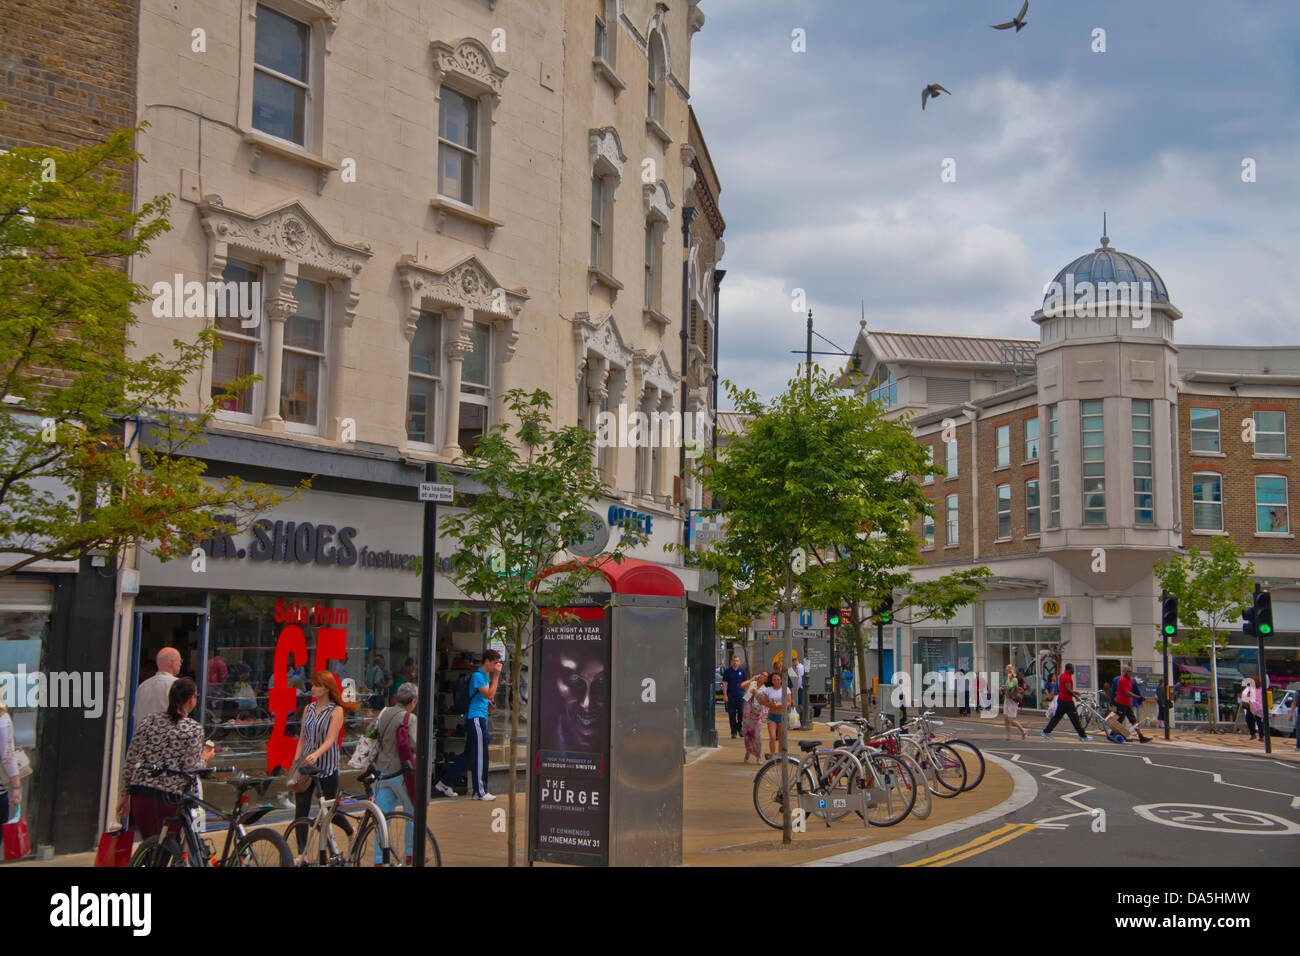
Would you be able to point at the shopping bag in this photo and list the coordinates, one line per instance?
(115, 849)
(365, 753)
(18, 842)
(793, 717)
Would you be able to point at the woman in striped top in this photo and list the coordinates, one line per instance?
(318, 744)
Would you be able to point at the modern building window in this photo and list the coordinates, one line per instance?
(927, 531)
(458, 154)
(884, 390)
(475, 388)
(1004, 511)
(1031, 439)
(950, 448)
(1144, 502)
(952, 519)
(424, 379)
(1032, 508)
(1271, 512)
(1093, 428)
(1207, 501)
(1053, 467)
(1205, 429)
(281, 60)
(1270, 433)
(929, 452)
(303, 369)
(237, 354)
(1003, 433)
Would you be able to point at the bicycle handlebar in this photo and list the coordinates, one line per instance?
(189, 774)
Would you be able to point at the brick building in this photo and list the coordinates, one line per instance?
(1075, 460)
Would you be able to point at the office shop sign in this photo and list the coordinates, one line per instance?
(308, 543)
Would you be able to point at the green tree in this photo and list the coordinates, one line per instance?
(537, 482)
(68, 486)
(1212, 588)
(814, 473)
(741, 598)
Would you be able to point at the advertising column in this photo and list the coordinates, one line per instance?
(569, 786)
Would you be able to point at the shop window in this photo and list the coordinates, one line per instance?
(1031, 439)
(1144, 507)
(458, 153)
(1004, 512)
(424, 379)
(25, 607)
(1207, 501)
(1271, 511)
(1003, 435)
(1205, 429)
(281, 70)
(1032, 508)
(1093, 432)
(238, 348)
(475, 388)
(1270, 433)
(304, 358)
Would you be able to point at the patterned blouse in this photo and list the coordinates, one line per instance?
(160, 743)
(315, 725)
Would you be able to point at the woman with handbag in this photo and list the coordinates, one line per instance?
(318, 744)
(1012, 697)
(751, 725)
(11, 785)
(393, 791)
(170, 739)
(1252, 702)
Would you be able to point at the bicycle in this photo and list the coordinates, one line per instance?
(318, 838)
(1087, 709)
(945, 771)
(887, 742)
(261, 847)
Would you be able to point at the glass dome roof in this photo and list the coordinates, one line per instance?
(1104, 264)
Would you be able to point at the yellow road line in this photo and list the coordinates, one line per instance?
(965, 846)
(988, 846)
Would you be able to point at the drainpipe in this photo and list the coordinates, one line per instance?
(718, 276)
(688, 216)
(971, 413)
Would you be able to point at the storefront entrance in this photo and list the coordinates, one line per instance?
(157, 627)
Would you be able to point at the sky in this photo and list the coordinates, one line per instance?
(831, 172)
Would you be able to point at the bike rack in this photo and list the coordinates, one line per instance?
(813, 803)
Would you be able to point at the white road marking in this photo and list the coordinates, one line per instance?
(1084, 810)
(1222, 820)
(1214, 775)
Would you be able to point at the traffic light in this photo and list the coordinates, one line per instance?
(1248, 621)
(1263, 613)
(1168, 616)
(885, 610)
(832, 617)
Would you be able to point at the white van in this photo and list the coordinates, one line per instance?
(1281, 719)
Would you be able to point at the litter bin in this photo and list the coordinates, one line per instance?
(605, 747)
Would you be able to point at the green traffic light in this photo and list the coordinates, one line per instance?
(1265, 629)
(1170, 629)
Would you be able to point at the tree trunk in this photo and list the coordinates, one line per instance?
(1214, 682)
(786, 838)
(515, 670)
(864, 681)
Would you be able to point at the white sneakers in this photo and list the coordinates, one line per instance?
(443, 789)
(486, 796)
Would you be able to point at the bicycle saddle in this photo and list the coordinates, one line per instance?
(244, 782)
(809, 745)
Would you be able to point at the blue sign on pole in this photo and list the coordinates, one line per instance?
(805, 617)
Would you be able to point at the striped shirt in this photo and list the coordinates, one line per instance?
(315, 726)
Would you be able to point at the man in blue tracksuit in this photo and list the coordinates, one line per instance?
(482, 691)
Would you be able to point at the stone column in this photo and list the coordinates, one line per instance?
(596, 392)
(457, 347)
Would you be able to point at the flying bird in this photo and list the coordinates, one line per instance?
(933, 90)
(1018, 22)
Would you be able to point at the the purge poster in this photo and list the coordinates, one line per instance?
(570, 780)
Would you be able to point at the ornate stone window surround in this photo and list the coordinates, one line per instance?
(605, 152)
(658, 206)
(287, 241)
(469, 68)
(321, 16)
(463, 293)
(604, 367)
(657, 388)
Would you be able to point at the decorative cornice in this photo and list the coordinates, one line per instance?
(286, 232)
(605, 149)
(467, 284)
(655, 372)
(601, 338)
(471, 63)
(694, 16)
(704, 199)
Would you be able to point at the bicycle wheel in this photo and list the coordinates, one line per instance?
(892, 790)
(948, 773)
(840, 781)
(768, 798)
(400, 823)
(924, 802)
(158, 851)
(304, 840)
(262, 847)
(974, 762)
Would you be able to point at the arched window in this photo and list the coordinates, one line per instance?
(884, 390)
(658, 88)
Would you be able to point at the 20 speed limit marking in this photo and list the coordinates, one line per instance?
(1201, 816)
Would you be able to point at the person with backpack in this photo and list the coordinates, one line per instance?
(482, 690)
(396, 731)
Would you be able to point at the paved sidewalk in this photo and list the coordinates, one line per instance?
(1283, 747)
